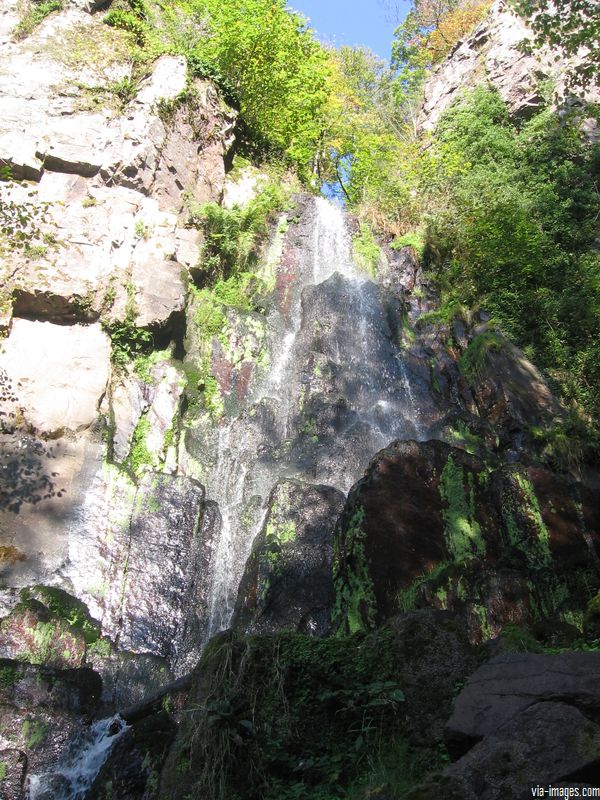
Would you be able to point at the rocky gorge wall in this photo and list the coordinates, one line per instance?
(350, 470)
(494, 53)
(96, 253)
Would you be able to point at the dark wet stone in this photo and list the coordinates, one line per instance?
(287, 584)
(510, 683)
(14, 764)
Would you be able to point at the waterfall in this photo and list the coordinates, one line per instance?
(87, 754)
(368, 401)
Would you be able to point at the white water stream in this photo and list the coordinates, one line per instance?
(382, 403)
(89, 751)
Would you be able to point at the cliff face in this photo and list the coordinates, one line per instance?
(493, 54)
(94, 253)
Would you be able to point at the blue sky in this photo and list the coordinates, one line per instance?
(353, 22)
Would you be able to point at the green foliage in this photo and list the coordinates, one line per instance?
(412, 239)
(2, 771)
(130, 16)
(128, 342)
(34, 732)
(472, 361)
(428, 33)
(567, 25)
(593, 609)
(233, 236)
(8, 677)
(289, 716)
(367, 252)
(35, 13)
(101, 648)
(233, 239)
(261, 54)
(519, 640)
(513, 229)
(355, 604)
(139, 454)
(124, 89)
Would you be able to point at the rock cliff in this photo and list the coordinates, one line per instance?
(494, 54)
(96, 252)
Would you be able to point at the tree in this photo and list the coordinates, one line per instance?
(270, 61)
(572, 26)
(429, 32)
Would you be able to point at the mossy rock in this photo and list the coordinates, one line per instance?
(431, 525)
(34, 634)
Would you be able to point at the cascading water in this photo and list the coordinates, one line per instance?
(88, 753)
(337, 392)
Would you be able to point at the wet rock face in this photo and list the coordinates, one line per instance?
(92, 498)
(15, 765)
(40, 710)
(432, 525)
(287, 584)
(160, 565)
(358, 390)
(492, 53)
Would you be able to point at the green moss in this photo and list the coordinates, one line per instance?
(143, 363)
(213, 399)
(8, 677)
(366, 251)
(101, 648)
(355, 604)
(462, 531)
(280, 530)
(436, 576)
(34, 732)
(482, 615)
(472, 361)
(68, 608)
(445, 314)
(593, 608)
(414, 239)
(34, 15)
(407, 333)
(525, 527)
(2, 771)
(461, 436)
(139, 454)
(532, 509)
(520, 640)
